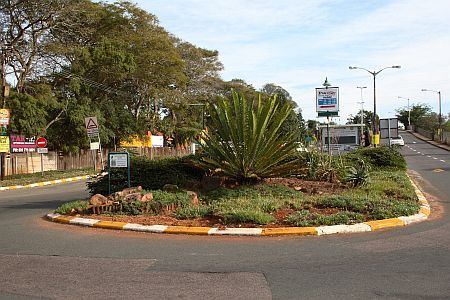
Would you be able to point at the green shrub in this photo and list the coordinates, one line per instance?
(380, 157)
(358, 175)
(150, 174)
(79, 206)
(246, 140)
(193, 212)
(250, 216)
(305, 218)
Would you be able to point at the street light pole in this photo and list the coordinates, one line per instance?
(440, 111)
(374, 74)
(362, 112)
(409, 112)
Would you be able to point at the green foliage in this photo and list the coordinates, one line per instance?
(245, 142)
(305, 218)
(247, 216)
(378, 158)
(193, 212)
(150, 174)
(357, 175)
(66, 208)
(418, 113)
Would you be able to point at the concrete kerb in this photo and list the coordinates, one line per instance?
(51, 182)
(423, 214)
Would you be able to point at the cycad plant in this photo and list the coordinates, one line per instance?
(245, 141)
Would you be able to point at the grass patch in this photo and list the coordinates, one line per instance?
(78, 205)
(24, 179)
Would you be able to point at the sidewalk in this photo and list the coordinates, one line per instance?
(419, 136)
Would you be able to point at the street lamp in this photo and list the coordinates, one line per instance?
(374, 74)
(409, 111)
(362, 111)
(440, 115)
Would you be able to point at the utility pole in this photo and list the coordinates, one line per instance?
(4, 94)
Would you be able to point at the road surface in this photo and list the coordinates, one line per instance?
(39, 259)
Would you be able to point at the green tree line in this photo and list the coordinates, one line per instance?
(70, 59)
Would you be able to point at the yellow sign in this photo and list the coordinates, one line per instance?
(4, 116)
(137, 142)
(376, 139)
(4, 144)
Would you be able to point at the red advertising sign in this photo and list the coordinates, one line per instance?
(20, 144)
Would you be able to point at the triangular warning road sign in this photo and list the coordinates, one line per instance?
(91, 122)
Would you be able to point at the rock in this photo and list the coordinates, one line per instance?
(194, 197)
(298, 188)
(98, 200)
(172, 188)
(132, 190)
(133, 197)
(301, 189)
(147, 197)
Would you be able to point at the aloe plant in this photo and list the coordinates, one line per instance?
(245, 141)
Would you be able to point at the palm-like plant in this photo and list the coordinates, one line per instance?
(245, 141)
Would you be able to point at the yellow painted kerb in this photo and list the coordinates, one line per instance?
(290, 230)
(63, 219)
(110, 224)
(380, 224)
(187, 230)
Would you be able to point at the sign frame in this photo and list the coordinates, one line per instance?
(327, 100)
(121, 156)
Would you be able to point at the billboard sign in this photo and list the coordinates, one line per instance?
(4, 144)
(4, 116)
(327, 99)
(21, 144)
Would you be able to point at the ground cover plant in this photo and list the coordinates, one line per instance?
(275, 202)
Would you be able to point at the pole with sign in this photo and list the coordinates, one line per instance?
(92, 129)
(118, 160)
(41, 143)
(327, 105)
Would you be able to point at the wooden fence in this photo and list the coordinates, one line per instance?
(24, 163)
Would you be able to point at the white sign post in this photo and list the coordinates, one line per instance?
(92, 129)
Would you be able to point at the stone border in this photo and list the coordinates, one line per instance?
(51, 182)
(423, 214)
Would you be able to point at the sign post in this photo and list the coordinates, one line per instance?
(4, 142)
(118, 160)
(92, 129)
(327, 105)
(41, 143)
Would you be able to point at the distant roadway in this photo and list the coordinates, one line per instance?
(40, 259)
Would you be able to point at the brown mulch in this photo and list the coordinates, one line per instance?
(306, 187)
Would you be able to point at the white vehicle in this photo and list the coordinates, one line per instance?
(397, 141)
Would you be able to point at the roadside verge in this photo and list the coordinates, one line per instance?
(423, 214)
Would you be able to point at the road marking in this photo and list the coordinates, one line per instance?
(438, 170)
(442, 160)
(418, 152)
(434, 157)
(429, 156)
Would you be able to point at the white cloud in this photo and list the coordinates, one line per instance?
(296, 44)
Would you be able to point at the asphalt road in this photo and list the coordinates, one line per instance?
(39, 259)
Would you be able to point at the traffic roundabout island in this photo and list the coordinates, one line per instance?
(424, 212)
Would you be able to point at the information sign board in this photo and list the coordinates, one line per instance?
(4, 144)
(327, 99)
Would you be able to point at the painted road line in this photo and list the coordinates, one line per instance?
(64, 219)
(434, 157)
(442, 160)
(429, 156)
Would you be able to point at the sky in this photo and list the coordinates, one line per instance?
(297, 44)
